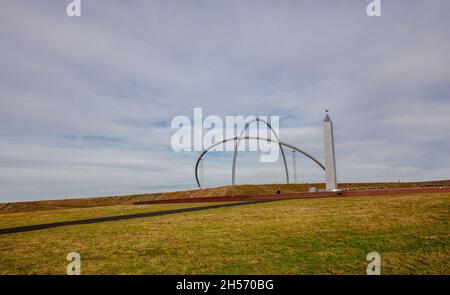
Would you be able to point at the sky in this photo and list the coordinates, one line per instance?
(86, 103)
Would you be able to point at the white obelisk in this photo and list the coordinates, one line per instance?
(330, 162)
(294, 163)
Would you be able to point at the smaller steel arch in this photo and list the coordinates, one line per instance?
(236, 146)
(254, 138)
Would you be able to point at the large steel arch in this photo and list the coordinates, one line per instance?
(254, 138)
(236, 146)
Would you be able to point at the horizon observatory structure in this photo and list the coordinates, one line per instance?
(329, 153)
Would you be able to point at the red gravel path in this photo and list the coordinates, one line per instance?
(303, 195)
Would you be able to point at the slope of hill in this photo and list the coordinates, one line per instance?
(245, 189)
(315, 236)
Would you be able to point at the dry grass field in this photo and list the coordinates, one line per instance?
(315, 236)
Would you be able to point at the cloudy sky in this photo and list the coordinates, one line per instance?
(86, 102)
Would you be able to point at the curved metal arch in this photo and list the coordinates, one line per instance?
(256, 138)
(236, 146)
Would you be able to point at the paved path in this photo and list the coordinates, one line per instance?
(27, 228)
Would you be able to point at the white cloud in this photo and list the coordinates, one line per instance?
(86, 102)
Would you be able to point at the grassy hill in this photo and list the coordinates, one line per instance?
(315, 236)
(217, 191)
